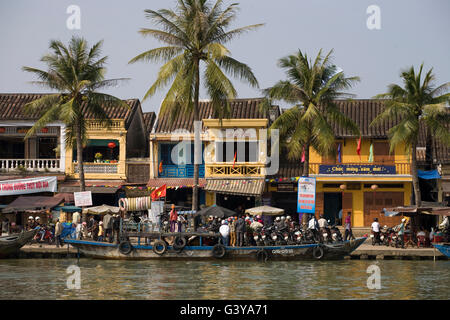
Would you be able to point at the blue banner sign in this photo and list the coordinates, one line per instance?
(306, 199)
(355, 169)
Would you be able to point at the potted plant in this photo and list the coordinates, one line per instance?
(98, 157)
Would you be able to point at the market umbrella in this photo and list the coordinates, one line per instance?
(265, 210)
(217, 211)
(103, 209)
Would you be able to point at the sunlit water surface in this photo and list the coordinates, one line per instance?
(106, 279)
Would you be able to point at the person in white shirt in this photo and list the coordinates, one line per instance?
(376, 230)
(322, 222)
(224, 231)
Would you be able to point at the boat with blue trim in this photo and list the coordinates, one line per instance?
(190, 246)
(443, 248)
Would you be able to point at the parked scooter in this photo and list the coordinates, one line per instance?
(336, 234)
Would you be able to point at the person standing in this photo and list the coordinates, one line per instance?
(224, 232)
(116, 227)
(76, 218)
(101, 232)
(107, 225)
(376, 230)
(240, 229)
(58, 232)
(348, 228)
(5, 227)
(173, 218)
(233, 231)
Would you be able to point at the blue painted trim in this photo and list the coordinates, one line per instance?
(94, 243)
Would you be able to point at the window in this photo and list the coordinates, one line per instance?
(245, 151)
(381, 152)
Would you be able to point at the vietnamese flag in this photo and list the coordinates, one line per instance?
(358, 148)
(159, 192)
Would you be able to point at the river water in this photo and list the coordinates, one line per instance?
(109, 279)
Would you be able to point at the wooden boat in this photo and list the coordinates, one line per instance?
(443, 248)
(316, 251)
(12, 243)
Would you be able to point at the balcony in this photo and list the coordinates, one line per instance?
(93, 167)
(95, 125)
(181, 171)
(239, 169)
(40, 165)
(381, 168)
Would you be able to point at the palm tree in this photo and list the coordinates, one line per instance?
(195, 31)
(312, 87)
(417, 104)
(76, 72)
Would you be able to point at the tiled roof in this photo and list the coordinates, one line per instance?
(12, 108)
(240, 109)
(149, 121)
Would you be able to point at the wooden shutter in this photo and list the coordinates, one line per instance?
(381, 152)
(319, 204)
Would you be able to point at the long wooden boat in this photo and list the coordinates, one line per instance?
(443, 248)
(104, 250)
(12, 243)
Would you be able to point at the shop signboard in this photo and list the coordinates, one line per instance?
(285, 187)
(83, 199)
(25, 186)
(356, 169)
(306, 199)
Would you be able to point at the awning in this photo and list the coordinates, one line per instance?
(432, 174)
(413, 210)
(92, 189)
(245, 187)
(265, 210)
(95, 186)
(103, 209)
(30, 203)
(175, 182)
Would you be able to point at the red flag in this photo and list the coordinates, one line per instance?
(358, 148)
(234, 161)
(303, 154)
(159, 192)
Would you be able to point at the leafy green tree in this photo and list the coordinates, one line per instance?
(195, 34)
(417, 104)
(75, 72)
(313, 88)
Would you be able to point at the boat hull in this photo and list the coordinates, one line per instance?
(11, 244)
(443, 248)
(103, 250)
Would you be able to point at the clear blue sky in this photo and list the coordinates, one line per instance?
(412, 32)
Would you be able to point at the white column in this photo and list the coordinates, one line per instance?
(62, 148)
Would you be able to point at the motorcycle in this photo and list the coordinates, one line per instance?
(325, 235)
(336, 234)
(44, 235)
(258, 237)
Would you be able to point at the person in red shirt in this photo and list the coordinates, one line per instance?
(173, 218)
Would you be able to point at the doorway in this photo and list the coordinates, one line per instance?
(232, 202)
(332, 206)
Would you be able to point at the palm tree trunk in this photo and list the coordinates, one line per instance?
(429, 150)
(306, 163)
(80, 157)
(415, 175)
(196, 118)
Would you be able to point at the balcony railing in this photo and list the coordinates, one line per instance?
(181, 171)
(238, 169)
(98, 125)
(43, 165)
(92, 167)
(398, 168)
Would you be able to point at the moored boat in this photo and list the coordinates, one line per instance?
(443, 248)
(12, 243)
(161, 250)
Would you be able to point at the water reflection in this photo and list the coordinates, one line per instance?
(46, 279)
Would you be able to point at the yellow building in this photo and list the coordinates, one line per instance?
(351, 182)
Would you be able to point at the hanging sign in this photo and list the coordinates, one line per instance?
(306, 199)
(356, 169)
(83, 199)
(25, 186)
